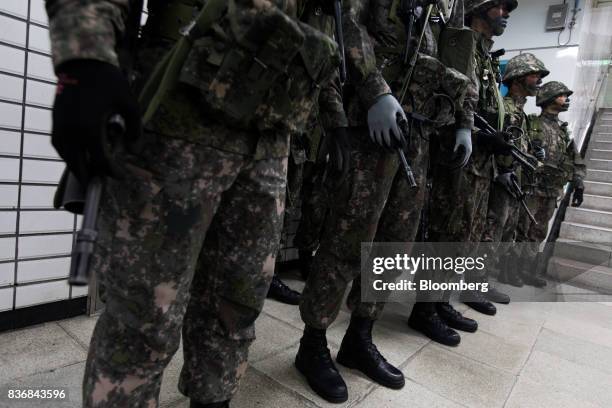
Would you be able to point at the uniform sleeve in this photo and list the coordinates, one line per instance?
(330, 105)
(359, 53)
(86, 29)
(465, 116)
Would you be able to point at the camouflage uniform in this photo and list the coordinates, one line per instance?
(563, 163)
(459, 199)
(503, 207)
(375, 201)
(308, 187)
(189, 242)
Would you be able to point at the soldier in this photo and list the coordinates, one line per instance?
(563, 163)
(459, 201)
(523, 76)
(375, 199)
(208, 179)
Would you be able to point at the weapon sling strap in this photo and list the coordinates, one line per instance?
(167, 71)
(501, 116)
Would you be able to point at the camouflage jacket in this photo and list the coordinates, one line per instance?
(485, 78)
(563, 162)
(91, 29)
(374, 42)
(515, 117)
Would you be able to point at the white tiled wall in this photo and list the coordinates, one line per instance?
(35, 239)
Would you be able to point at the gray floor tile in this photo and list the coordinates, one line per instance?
(513, 332)
(587, 331)
(530, 313)
(577, 380)
(286, 313)
(281, 368)
(257, 390)
(458, 378)
(493, 350)
(68, 378)
(80, 328)
(412, 395)
(575, 350)
(528, 394)
(273, 336)
(37, 349)
(169, 393)
(588, 312)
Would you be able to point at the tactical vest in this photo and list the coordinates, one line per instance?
(549, 180)
(254, 70)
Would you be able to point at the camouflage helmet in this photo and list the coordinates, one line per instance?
(523, 64)
(472, 6)
(549, 91)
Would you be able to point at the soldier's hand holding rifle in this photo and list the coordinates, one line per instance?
(94, 110)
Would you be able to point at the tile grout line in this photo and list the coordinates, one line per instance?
(517, 376)
(301, 397)
(51, 370)
(85, 347)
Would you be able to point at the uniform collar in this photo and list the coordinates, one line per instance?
(484, 43)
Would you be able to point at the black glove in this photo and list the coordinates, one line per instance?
(578, 197)
(339, 148)
(496, 144)
(505, 180)
(88, 93)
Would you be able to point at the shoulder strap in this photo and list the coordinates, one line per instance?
(167, 71)
(501, 109)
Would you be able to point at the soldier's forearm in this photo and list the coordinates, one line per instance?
(86, 29)
(359, 53)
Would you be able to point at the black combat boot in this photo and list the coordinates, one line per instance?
(454, 319)
(509, 273)
(358, 352)
(496, 296)
(533, 280)
(425, 319)
(222, 404)
(314, 361)
(476, 300)
(530, 273)
(305, 260)
(283, 293)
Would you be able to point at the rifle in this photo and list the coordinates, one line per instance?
(407, 14)
(521, 157)
(520, 195)
(76, 198)
(340, 39)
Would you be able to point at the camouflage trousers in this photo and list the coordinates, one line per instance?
(314, 208)
(374, 203)
(458, 210)
(502, 219)
(543, 209)
(187, 243)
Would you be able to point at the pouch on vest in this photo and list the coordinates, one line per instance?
(265, 44)
(457, 49)
(291, 101)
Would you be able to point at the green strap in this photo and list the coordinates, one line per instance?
(501, 109)
(408, 77)
(166, 73)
